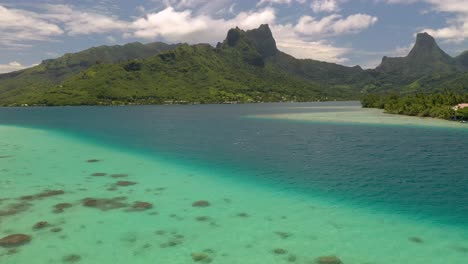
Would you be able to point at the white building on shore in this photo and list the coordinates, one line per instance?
(460, 106)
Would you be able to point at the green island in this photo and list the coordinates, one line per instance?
(247, 67)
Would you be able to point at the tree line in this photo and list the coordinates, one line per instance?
(437, 105)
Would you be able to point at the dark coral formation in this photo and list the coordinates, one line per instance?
(461, 249)
(105, 204)
(44, 194)
(111, 189)
(73, 258)
(56, 230)
(141, 206)
(5, 157)
(15, 240)
(416, 240)
(243, 215)
(15, 208)
(202, 218)
(93, 160)
(201, 257)
(160, 232)
(292, 258)
(119, 175)
(201, 203)
(174, 240)
(41, 225)
(60, 207)
(280, 251)
(10, 252)
(328, 260)
(125, 183)
(99, 174)
(283, 235)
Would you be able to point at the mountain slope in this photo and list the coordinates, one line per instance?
(427, 68)
(462, 59)
(246, 67)
(425, 58)
(27, 84)
(311, 70)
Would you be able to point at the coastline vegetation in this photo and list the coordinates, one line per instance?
(438, 105)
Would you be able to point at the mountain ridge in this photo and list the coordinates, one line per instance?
(246, 67)
(424, 58)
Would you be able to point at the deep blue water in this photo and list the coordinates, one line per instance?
(421, 172)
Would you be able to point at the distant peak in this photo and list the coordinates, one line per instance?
(264, 27)
(424, 37)
(426, 46)
(263, 39)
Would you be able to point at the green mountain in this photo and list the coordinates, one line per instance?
(246, 67)
(462, 59)
(427, 68)
(425, 58)
(26, 85)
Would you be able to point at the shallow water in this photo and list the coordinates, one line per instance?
(358, 115)
(270, 185)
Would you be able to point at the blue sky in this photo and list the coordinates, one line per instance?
(350, 32)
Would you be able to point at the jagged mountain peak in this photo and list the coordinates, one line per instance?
(261, 39)
(426, 48)
(425, 57)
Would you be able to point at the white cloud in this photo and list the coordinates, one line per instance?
(200, 6)
(183, 26)
(333, 25)
(280, 2)
(111, 39)
(290, 42)
(79, 22)
(19, 26)
(12, 66)
(264, 2)
(456, 29)
(327, 6)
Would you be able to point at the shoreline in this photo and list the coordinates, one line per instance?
(359, 115)
(175, 103)
(424, 117)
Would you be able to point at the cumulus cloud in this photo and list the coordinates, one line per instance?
(456, 29)
(20, 26)
(263, 2)
(289, 41)
(78, 22)
(12, 66)
(334, 24)
(174, 26)
(201, 6)
(328, 6)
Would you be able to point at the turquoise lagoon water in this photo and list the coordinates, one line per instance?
(278, 191)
